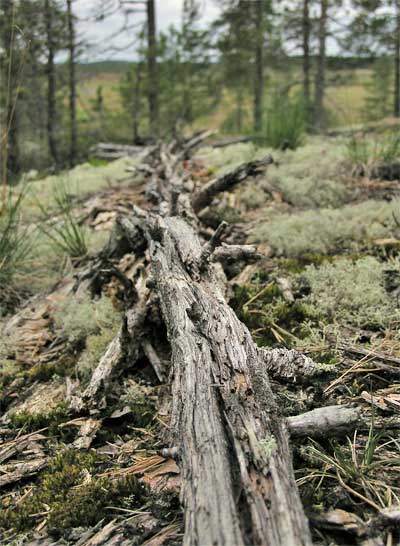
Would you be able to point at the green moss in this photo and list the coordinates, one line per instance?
(35, 421)
(165, 505)
(45, 371)
(97, 162)
(9, 370)
(140, 403)
(72, 497)
(268, 311)
(297, 265)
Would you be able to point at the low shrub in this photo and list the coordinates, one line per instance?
(67, 234)
(285, 122)
(366, 152)
(15, 242)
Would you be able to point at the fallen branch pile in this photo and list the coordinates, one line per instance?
(227, 433)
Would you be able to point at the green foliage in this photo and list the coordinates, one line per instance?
(261, 307)
(71, 502)
(285, 122)
(15, 242)
(97, 162)
(30, 422)
(67, 234)
(365, 466)
(137, 398)
(364, 150)
(326, 231)
(351, 292)
(378, 103)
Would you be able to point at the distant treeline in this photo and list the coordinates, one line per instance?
(258, 60)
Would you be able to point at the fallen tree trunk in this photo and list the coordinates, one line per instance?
(239, 486)
(230, 440)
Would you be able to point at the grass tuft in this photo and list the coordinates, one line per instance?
(67, 234)
(15, 243)
(285, 122)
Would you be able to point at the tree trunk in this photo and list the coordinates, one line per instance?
(306, 54)
(136, 103)
(51, 83)
(152, 68)
(396, 104)
(321, 65)
(258, 65)
(239, 109)
(9, 146)
(72, 86)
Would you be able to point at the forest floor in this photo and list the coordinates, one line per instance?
(329, 286)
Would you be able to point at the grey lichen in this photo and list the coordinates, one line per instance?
(351, 291)
(268, 446)
(326, 230)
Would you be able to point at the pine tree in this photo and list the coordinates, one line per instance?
(73, 136)
(375, 32)
(10, 66)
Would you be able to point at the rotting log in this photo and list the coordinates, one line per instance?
(238, 482)
(230, 439)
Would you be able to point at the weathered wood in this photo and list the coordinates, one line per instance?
(335, 420)
(238, 482)
(291, 364)
(109, 150)
(125, 346)
(191, 144)
(228, 254)
(12, 473)
(223, 143)
(228, 181)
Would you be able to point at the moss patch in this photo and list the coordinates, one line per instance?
(30, 422)
(270, 318)
(68, 495)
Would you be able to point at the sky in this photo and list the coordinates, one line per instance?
(104, 37)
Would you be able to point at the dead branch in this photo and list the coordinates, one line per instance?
(319, 422)
(228, 181)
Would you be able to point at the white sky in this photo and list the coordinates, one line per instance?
(100, 33)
